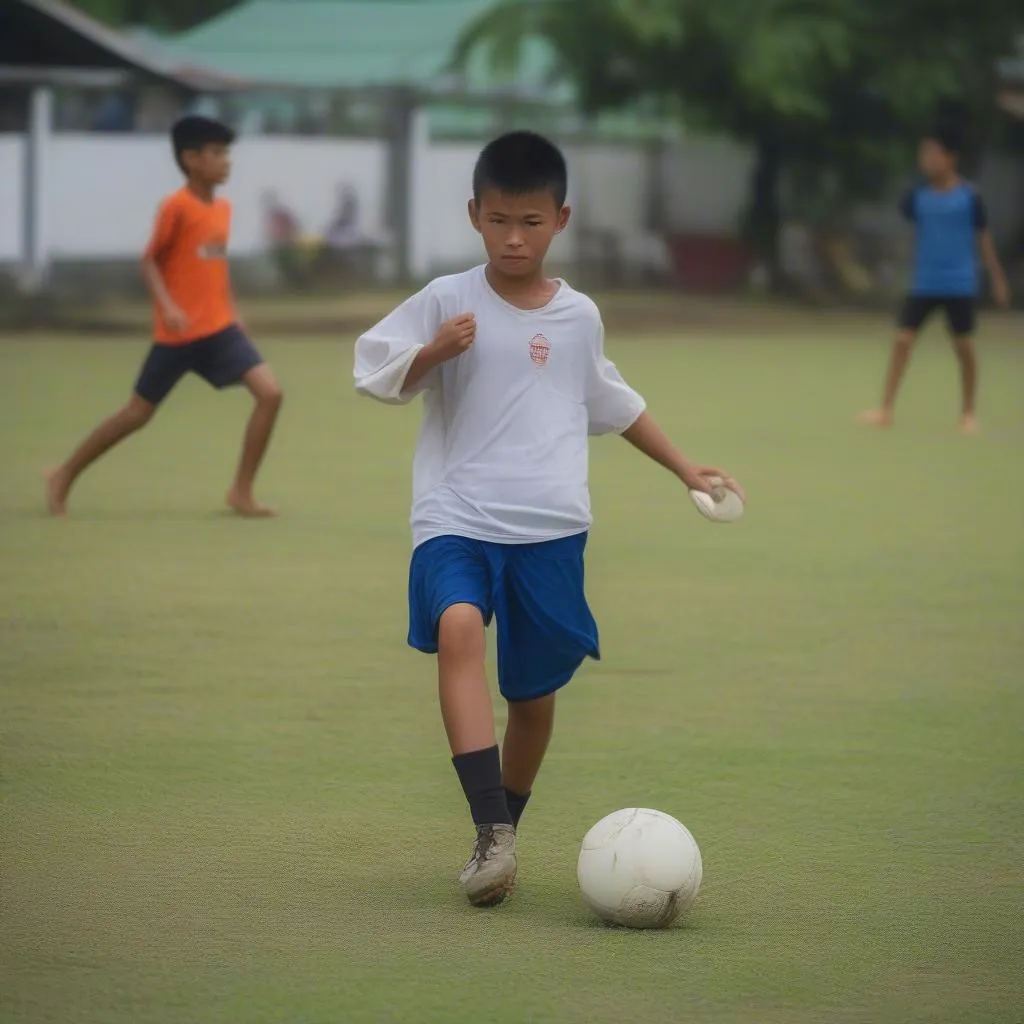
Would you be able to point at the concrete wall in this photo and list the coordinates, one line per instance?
(101, 191)
(12, 175)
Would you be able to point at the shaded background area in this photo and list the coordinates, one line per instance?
(713, 147)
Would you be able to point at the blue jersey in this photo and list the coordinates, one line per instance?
(947, 223)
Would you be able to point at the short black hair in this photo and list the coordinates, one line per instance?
(950, 137)
(194, 132)
(521, 162)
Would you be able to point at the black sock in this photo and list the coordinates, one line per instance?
(480, 774)
(516, 805)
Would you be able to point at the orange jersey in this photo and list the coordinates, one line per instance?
(190, 248)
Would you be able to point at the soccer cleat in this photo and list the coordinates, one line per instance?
(490, 873)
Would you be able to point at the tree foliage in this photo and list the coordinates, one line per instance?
(156, 14)
(829, 92)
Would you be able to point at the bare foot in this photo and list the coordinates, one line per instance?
(247, 506)
(969, 425)
(57, 487)
(876, 418)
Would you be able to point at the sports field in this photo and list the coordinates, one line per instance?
(225, 790)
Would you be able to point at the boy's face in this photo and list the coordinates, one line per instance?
(210, 165)
(934, 159)
(517, 229)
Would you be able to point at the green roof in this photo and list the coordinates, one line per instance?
(338, 44)
(359, 44)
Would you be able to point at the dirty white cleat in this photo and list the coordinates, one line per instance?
(490, 873)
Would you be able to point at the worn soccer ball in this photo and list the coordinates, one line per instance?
(639, 868)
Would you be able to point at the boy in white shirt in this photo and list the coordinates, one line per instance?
(514, 378)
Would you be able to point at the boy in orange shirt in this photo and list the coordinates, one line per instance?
(196, 331)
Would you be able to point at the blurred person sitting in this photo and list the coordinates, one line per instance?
(283, 234)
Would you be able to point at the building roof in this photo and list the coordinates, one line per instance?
(353, 44)
(358, 45)
(41, 39)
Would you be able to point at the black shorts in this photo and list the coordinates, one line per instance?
(221, 359)
(959, 309)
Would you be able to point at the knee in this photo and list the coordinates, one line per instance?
(137, 413)
(536, 714)
(271, 396)
(905, 339)
(461, 631)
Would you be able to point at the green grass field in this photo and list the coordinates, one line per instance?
(226, 795)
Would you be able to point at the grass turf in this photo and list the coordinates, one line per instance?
(225, 790)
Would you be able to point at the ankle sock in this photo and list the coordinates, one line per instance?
(516, 804)
(479, 772)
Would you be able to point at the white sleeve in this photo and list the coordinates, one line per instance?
(612, 405)
(387, 350)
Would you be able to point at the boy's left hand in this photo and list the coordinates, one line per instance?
(698, 478)
(1001, 293)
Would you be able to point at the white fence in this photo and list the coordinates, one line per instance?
(99, 192)
(12, 176)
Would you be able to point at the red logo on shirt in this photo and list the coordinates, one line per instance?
(540, 349)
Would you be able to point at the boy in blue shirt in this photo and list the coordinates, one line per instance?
(950, 232)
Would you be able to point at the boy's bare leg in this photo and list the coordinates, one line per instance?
(883, 416)
(490, 873)
(527, 734)
(968, 361)
(462, 681)
(131, 417)
(266, 391)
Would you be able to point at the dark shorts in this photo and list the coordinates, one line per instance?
(535, 591)
(221, 359)
(959, 310)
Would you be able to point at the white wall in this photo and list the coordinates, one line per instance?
(101, 192)
(609, 186)
(706, 183)
(12, 175)
(306, 174)
(443, 221)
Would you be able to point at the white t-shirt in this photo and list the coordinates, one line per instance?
(502, 453)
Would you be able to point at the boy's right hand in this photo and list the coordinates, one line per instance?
(454, 337)
(176, 319)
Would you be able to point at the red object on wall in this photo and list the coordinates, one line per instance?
(706, 263)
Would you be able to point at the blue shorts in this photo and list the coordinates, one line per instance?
(535, 591)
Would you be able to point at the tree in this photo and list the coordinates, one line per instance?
(829, 92)
(157, 14)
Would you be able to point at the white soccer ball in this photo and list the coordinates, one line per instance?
(639, 868)
(722, 505)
